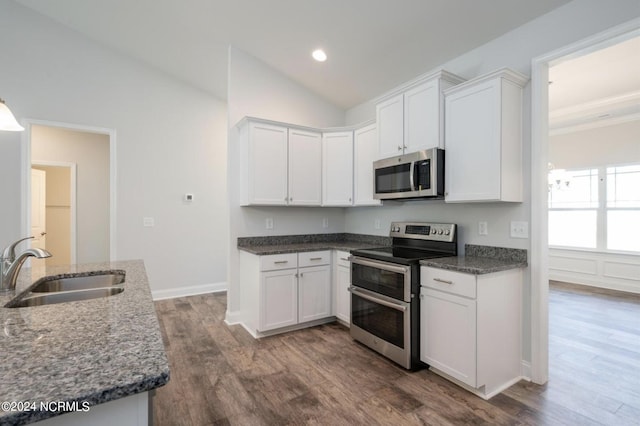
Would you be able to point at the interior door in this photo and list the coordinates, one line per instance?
(38, 208)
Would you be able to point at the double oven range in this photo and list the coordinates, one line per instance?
(385, 288)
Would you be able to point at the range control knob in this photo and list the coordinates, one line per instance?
(433, 230)
(439, 231)
(447, 232)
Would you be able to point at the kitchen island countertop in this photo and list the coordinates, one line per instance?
(95, 350)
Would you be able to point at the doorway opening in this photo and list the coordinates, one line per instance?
(539, 183)
(53, 210)
(69, 171)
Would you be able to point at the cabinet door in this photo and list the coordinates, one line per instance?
(305, 168)
(337, 169)
(278, 299)
(448, 334)
(472, 129)
(267, 169)
(390, 121)
(422, 117)
(365, 152)
(343, 297)
(314, 287)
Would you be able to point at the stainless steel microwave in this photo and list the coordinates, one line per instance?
(416, 175)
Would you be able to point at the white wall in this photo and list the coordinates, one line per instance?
(516, 49)
(171, 139)
(257, 90)
(601, 146)
(90, 152)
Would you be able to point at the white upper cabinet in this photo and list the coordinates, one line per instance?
(305, 168)
(337, 168)
(414, 120)
(279, 164)
(365, 152)
(483, 129)
(390, 121)
(263, 150)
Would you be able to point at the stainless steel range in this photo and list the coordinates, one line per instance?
(385, 288)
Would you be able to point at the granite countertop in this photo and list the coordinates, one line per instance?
(94, 350)
(480, 260)
(313, 242)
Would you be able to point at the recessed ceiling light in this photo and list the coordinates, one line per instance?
(319, 55)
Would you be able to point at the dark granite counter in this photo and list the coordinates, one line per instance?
(314, 242)
(480, 260)
(94, 350)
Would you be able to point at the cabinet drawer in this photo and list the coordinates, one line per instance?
(314, 258)
(274, 262)
(448, 281)
(342, 258)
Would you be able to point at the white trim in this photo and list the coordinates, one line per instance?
(539, 159)
(233, 318)
(192, 290)
(25, 185)
(73, 172)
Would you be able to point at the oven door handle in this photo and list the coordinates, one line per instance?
(354, 290)
(380, 265)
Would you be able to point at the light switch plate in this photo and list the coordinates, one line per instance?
(376, 224)
(519, 229)
(148, 222)
(325, 222)
(268, 223)
(483, 228)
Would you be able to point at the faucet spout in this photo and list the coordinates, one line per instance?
(10, 266)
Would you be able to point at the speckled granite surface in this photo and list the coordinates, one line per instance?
(94, 350)
(481, 260)
(313, 242)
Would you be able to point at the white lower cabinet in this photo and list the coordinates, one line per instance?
(470, 328)
(342, 282)
(278, 299)
(314, 293)
(284, 290)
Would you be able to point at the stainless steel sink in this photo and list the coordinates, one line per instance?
(81, 282)
(64, 296)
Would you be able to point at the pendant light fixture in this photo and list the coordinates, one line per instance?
(7, 120)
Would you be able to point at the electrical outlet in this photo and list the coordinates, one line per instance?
(519, 229)
(376, 224)
(268, 223)
(148, 222)
(325, 222)
(483, 228)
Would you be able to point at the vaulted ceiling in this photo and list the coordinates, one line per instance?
(373, 45)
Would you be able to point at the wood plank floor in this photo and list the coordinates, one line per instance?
(220, 375)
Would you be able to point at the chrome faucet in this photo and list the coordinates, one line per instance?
(10, 264)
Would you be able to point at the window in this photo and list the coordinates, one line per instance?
(597, 208)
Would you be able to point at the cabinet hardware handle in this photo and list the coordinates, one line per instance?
(404, 146)
(280, 262)
(345, 259)
(440, 280)
(301, 274)
(399, 148)
(316, 258)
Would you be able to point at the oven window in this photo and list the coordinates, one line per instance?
(381, 321)
(393, 179)
(378, 280)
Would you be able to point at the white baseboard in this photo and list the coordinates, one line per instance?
(525, 370)
(232, 318)
(193, 290)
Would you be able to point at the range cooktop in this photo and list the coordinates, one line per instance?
(415, 241)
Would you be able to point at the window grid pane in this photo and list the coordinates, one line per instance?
(623, 187)
(580, 192)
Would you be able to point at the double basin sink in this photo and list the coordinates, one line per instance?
(51, 290)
